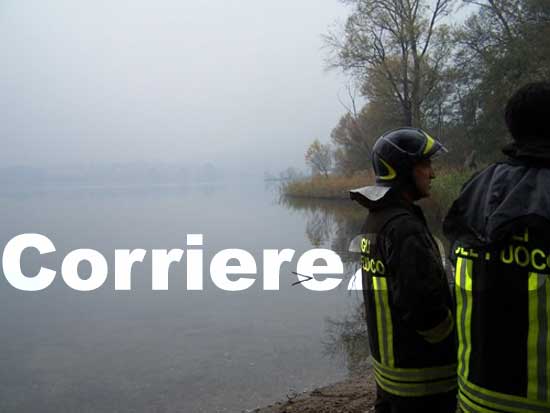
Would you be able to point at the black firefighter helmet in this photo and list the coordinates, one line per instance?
(395, 153)
(393, 157)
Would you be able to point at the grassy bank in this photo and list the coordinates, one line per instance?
(331, 187)
(445, 187)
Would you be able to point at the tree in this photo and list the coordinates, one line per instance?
(290, 174)
(501, 46)
(354, 136)
(400, 42)
(352, 149)
(319, 157)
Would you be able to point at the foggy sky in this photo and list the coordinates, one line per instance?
(240, 83)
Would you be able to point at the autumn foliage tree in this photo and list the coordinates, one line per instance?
(319, 158)
(414, 69)
(400, 43)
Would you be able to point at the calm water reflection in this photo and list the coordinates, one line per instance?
(164, 351)
(332, 224)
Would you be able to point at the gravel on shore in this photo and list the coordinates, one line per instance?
(354, 395)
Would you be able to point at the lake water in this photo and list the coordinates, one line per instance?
(176, 350)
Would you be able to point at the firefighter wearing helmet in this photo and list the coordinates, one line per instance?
(408, 305)
(499, 232)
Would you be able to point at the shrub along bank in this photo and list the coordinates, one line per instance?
(445, 187)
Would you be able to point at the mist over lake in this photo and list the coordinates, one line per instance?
(175, 350)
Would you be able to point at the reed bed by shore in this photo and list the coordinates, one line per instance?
(445, 188)
(326, 187)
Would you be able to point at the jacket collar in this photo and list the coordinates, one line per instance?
(534, 153)
(379, 197)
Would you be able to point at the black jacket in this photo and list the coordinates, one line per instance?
(407, 299)
(499, 229)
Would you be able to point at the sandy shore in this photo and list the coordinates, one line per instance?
(354, 395)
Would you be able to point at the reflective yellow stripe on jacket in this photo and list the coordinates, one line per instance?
(405, 382)
(474, 398)
(478, 399)
(383, 321)
(538, 340)
(463, 285)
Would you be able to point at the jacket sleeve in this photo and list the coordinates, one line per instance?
(420, 290)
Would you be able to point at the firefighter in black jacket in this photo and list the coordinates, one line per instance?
(499, 229)
(407, 298)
